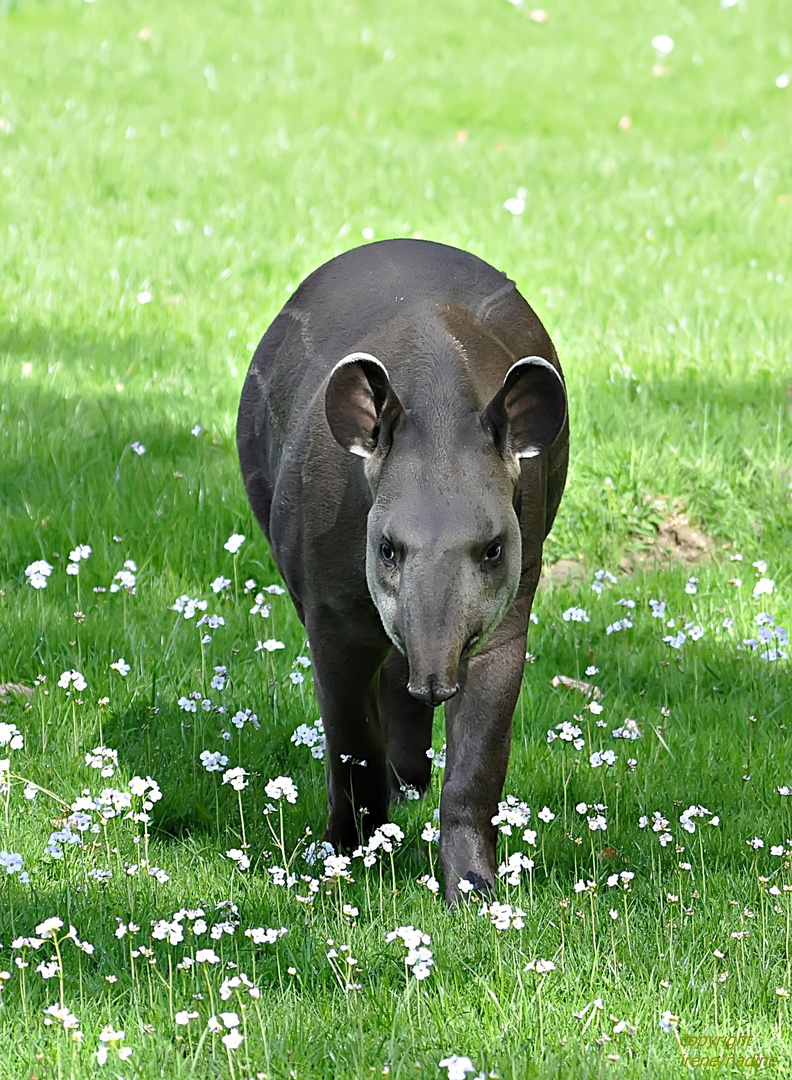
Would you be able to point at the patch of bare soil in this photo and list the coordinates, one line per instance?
(10, 689)
(565, 572)
(676, 541)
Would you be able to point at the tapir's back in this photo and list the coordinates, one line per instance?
(351, 295)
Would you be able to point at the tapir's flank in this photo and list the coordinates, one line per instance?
(404, 442)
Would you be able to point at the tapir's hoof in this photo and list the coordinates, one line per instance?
(481, 886)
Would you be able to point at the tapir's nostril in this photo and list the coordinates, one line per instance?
(432, 693)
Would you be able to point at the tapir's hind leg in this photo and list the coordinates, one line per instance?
(407, 724)
(357, 781)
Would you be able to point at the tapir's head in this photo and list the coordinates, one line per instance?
(443, 556)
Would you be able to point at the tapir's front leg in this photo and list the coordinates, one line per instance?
(345, 680)
(478, 732)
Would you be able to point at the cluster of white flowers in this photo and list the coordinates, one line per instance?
(237, 778)
(78, 555)
(513, 867)
(282, 787)
(503, 916)
(104, 759)
(386, 838)
(511, 814)
(659, 825)
(602, 579)
(622, 880)
(213, 761)
(74, 679)
(187, 606)
(312, 736)
(125, 579)
(245, 716)
(11, 736)
(569, 733)
(261, 935)
(602, 757)
(575, 614)
(767, 634)
(37, 573)
(628, 730)
(419, 958)
(687, 822)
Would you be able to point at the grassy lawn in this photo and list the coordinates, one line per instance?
(169, 173)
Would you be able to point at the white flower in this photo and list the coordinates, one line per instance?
(74, 678)
(458, 1067)
(282, 787)
(263, 936)
(516, 204)
(782, 82)
(541, 967)
(234, 543)
(10, 735)
(11, 862)
(270, 645)
(183, 1018)
(663, 45)
(575, 614)
(546, 815)
(668, 1021)
(102, 757)
(311, 736)
(207, 956)
(138, 447)
(764, 586)
(121, 666)
(220, 583)
(236, 778)
(239, 857)
(187, 607)
(676, 642)
(37, 573)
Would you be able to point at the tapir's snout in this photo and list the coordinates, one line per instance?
(432, 692)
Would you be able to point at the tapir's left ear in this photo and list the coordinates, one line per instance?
(526, 415)
(361, 406)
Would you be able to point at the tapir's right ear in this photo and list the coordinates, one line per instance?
(361, 406)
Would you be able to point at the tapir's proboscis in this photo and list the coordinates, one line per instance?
(403, 439)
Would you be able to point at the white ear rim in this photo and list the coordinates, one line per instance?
(353, 358)
(533, 361)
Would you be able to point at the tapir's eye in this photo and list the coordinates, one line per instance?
(387, 554)
(494, 553)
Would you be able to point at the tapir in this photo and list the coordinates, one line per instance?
(403, 439)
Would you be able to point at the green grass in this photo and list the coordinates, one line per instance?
(212, 155)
